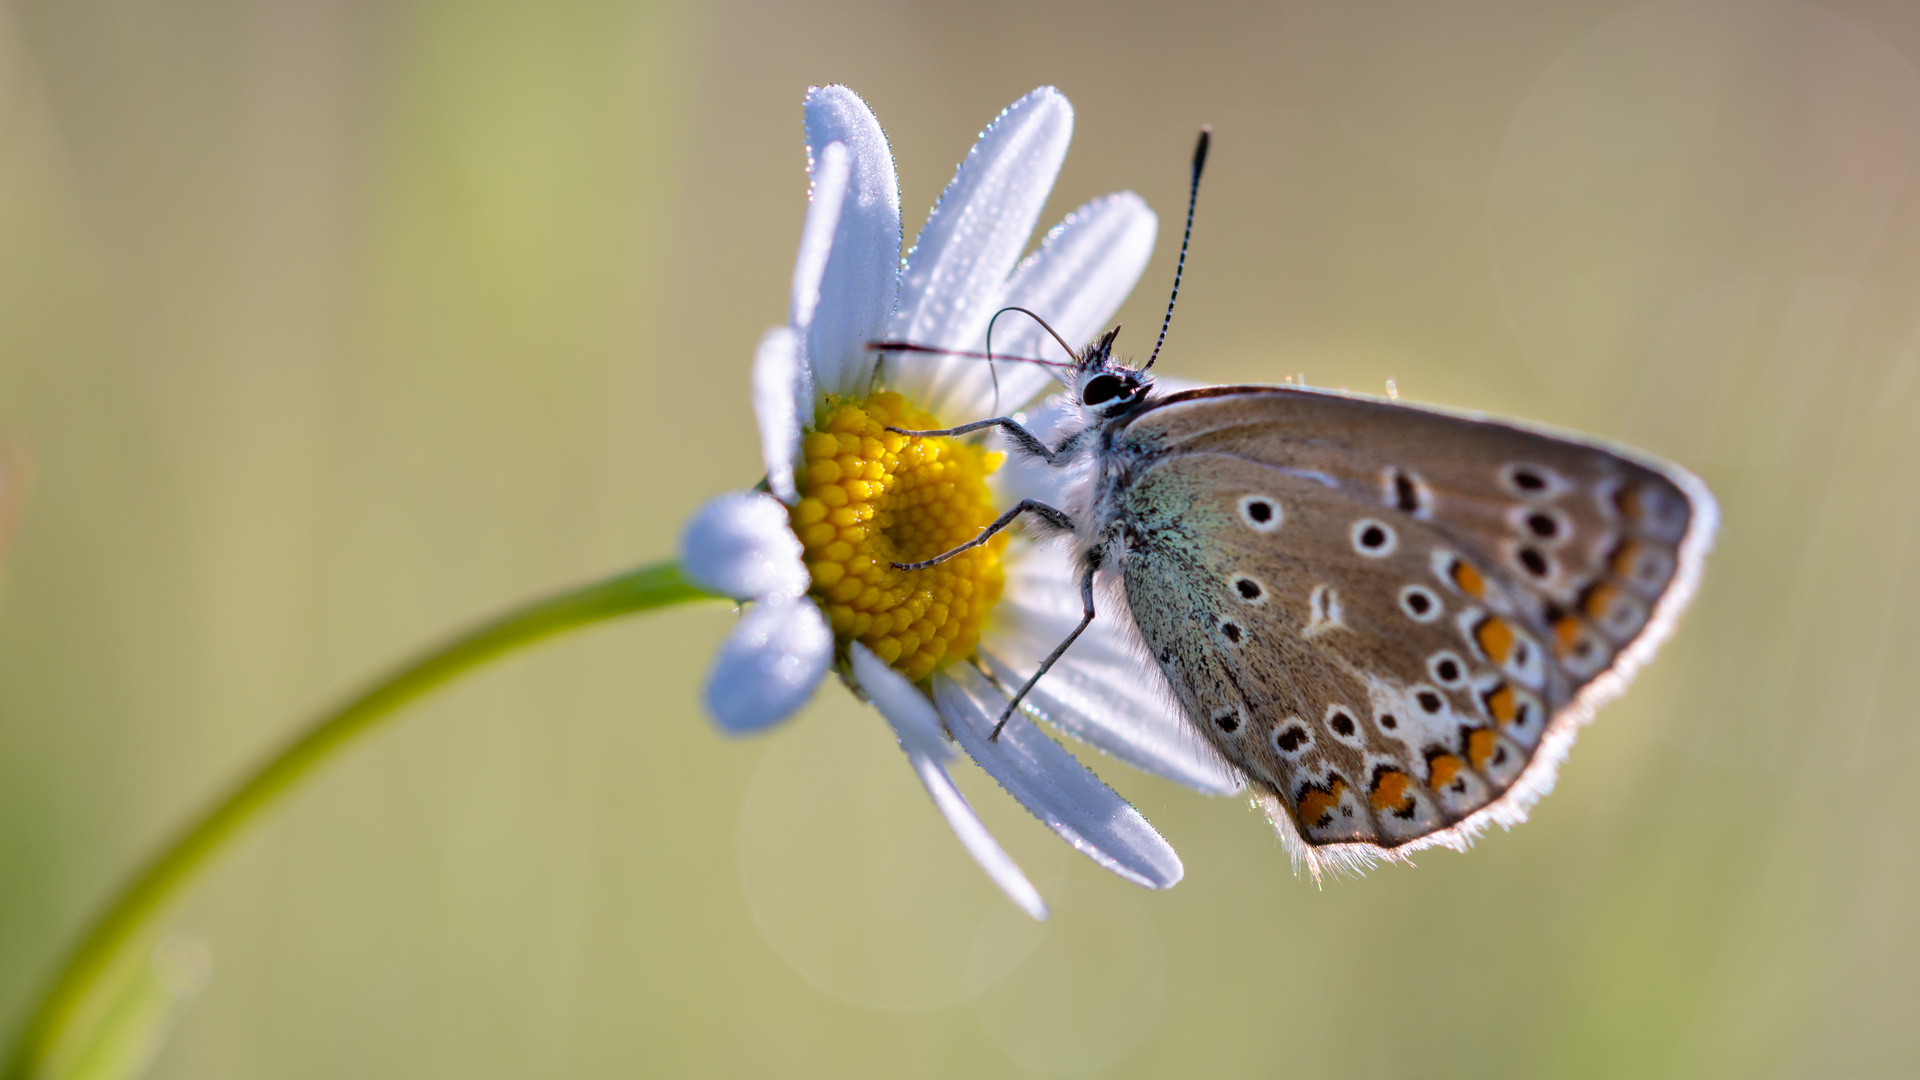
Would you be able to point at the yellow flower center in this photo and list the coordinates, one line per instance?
(873, 497)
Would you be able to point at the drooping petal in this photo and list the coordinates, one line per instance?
(1084, 269)
(956, 275)
(862, 276)
(825, 199)
(769, 665)
(915, 723)
(741, 544)
(1105, 691)
(974, 836)
(1052, 784)
(782, 402)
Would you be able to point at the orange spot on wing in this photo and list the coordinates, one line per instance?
(1316, 806)
(1623, 558)
(1469, 580)
(1566, 633)
(1442, 770)
(1503, 704)
(1392, 791)
(1480, 746)
(1495, 638)
(1630, 503)
(1598, 600)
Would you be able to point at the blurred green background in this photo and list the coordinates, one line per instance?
(326, 327)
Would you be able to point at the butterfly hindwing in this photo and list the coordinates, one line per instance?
(1392, 618)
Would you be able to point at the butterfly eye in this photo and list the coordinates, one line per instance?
(1100, 389)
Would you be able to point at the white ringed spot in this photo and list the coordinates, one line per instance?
(1447, 669)
(1374, 538)
(1545, 526)
(1533, 563)
(1429, 700)
(1340, 721)
(1420, 604)
(1247, 589)
(1261, 513)
(1292, 739)
(1531, 481)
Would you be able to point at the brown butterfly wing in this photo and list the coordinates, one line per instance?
(1393, 618)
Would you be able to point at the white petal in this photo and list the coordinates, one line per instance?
(769, 665)
(825, 200)
(915, 723)
(782, 397)
(1105, 691)
(1084, 269)
(1025, 477)
(862, 275)
(1082, 273)
(741, 544)
(956, 274)
(974, 836)
(1052, 783)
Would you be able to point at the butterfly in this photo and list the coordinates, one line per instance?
(1391, 619)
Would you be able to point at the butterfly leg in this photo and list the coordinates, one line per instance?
(1027, 441)
(1086, 602)
(1046, 513)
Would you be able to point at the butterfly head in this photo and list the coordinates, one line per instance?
(1104, 386)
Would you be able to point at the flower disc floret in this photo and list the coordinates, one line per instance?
(871, 498)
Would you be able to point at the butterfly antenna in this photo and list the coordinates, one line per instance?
(995, 372)
(1051, 332)
(1193, 196)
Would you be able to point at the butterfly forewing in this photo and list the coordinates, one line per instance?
(1392, 618)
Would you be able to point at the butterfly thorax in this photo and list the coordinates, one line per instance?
(1110, 395)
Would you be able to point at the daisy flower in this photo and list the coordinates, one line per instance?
(813, 555)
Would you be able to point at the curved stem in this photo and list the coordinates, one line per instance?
(122, 923)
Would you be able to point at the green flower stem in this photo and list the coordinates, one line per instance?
(125, 923)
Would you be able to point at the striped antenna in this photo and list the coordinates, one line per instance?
(1193, 196)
